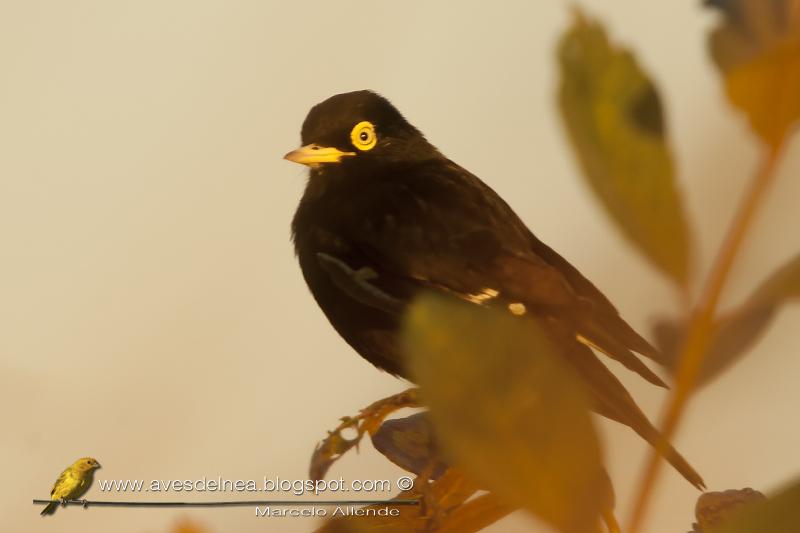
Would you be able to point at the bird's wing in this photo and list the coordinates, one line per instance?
(58, 484)
(608, 316)
(64, 485)
(357, 284)
(445, 229)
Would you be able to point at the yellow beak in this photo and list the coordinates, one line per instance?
(313, 154)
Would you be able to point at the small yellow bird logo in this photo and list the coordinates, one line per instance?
(73, 483)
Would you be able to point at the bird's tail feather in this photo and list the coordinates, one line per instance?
(49, 509)
(632, 340)
(613, 349)
(646, 430)
(610, 399)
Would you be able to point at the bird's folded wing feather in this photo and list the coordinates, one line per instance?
(59, 484)
(450, 232)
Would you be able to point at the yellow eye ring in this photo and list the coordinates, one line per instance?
(363, 136)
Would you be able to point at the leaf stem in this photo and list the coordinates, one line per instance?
(698, 337)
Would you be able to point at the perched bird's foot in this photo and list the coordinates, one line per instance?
(372, 416)
(84, 503)
(368, 420)
(63, 502)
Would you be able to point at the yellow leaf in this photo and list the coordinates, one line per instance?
(614, 120)
(757, 47)
(507, 411)
(767, 88)
(187, 526)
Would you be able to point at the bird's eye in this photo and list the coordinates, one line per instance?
(363, 136)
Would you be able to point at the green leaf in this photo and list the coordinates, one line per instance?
(777, 514)
(507, 410)
(614, 120)
(736, 332)
(757, 47)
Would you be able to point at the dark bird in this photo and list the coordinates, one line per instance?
(385, 216)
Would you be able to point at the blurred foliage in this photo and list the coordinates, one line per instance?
(757, 47)
(508, 425)
(518, 422)
(189, 526)
(614, 119)
(736, 332)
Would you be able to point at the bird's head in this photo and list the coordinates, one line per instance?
(358, 130)
(86, 464)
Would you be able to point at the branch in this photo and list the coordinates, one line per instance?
(238, 503)
(700, 327)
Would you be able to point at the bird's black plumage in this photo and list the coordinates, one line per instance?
(385, 215)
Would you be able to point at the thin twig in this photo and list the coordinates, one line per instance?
(274, 503)
(699, 332)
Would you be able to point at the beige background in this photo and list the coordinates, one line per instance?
(151, 310)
